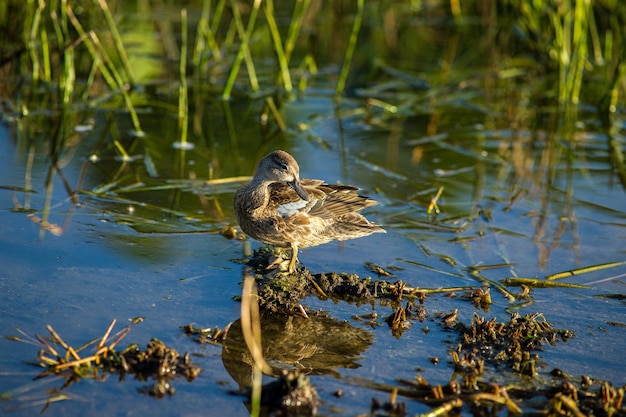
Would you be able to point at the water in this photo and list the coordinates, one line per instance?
(151, 247)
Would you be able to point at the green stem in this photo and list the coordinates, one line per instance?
(183, 106)
(117, 39)
(283, 61)
(356, 27)
(243, 51)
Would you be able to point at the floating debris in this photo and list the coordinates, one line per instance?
(480, 297)
(156, 362)
(201, 335)
(511, 343)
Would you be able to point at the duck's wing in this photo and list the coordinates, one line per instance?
(331, 212)
(334, 201)
(327, 201)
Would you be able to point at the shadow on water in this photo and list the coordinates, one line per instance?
(496, 163)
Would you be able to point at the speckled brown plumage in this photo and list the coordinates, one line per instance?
(279, 209)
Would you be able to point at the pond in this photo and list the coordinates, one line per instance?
(488, 164)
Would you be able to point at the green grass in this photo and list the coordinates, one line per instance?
(566, 55)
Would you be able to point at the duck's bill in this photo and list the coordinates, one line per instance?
(299, 189)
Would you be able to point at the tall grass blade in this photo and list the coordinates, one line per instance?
(183, 100)
(299, 12)
(244, 50)
(217, 15)
(91, 48)
(120, 84)
(354, 35)
(283, 61)
(45, 52)
(32, 40)
(68, 78)
(205, 37)
(117, 39)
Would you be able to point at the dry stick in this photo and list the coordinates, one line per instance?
(67, 347)
(251, 329)
(444, 409)
(251, 324)
(569, 403)
(47, 346)
(48, 361)
(106, 334)
(72, 364)
(119, 338)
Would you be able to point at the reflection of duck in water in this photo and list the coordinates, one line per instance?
(279, 209)
(314, 346)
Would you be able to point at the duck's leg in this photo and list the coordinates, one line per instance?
(294, 258)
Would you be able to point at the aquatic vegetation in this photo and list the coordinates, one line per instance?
(156, 362)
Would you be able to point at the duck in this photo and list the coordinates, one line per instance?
(281, 210)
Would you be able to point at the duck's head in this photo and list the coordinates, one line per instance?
(279, 166)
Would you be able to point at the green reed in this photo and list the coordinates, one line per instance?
(117, 39)
(243, 52)
(35, 31)
(183, 100)
(356, 27)
(568, 34)
(102, 61)
(205, 39)
(283, 61)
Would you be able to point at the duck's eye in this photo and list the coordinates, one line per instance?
(280, 162)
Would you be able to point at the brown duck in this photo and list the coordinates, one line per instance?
(280, 209)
